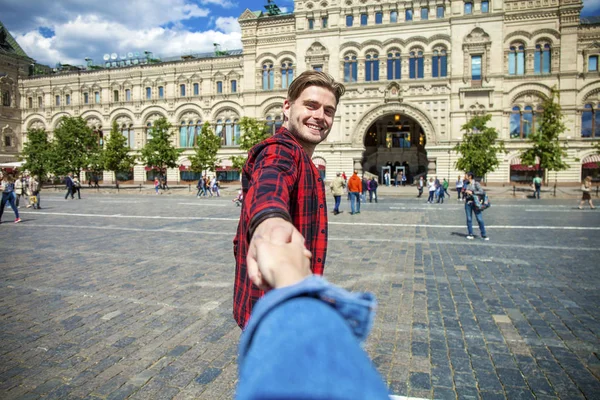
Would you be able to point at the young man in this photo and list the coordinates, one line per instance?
(283, 193)
(473, 188)
(354, 190)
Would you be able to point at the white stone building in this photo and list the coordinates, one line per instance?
(415, 71)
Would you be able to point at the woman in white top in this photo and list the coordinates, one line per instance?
(431, 190)
(459, 187)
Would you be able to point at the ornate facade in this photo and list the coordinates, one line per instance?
(415, 72)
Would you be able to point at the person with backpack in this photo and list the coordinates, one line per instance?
(472, 189)
(537, 186)
(373, 190)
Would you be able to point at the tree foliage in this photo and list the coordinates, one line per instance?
(159, 152)
(480, 147)
(36, 153)
(253, 132)
(545, 146)
(206, 148)
(116, 154)
(75, 145)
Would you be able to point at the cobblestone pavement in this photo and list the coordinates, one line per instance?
(128, 296)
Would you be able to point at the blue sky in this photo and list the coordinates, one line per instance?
(68, 31)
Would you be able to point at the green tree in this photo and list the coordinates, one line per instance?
(206, 149)
(253, 132)
(545, 146)
(74, 146)
(480, 147)
(116, 154)
(159, 152)
(36, 153)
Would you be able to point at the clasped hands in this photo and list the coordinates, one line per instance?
(276, 255)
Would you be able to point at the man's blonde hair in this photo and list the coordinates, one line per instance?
(315, 78)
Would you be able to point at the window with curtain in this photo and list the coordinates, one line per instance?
(424, 13)
(522, 122)
(287, 74)
(394, 17)
(415, 65)
(394, 65)
(161, 92)
(378, 17)
(128, 133)
(189, 132)
(541, 59)
(268, 76)
(350, 68)
(516, 60)
(439, 63)
(364, 18)
(590, 121)
(148, 93)
(408, 14)
(476, 68)
(593, 64)
(349, 20)
(372, 67)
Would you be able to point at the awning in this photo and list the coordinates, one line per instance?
(523, 167)
(320, 163)
(14, 164)
(151, 169)
(225, 165)
(594, 158)
(184, 168)
(591, 165)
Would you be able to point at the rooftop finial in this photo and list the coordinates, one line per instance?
(272, 8)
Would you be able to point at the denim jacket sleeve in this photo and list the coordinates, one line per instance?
(358, 309)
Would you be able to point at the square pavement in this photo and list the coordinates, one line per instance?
(130, 296)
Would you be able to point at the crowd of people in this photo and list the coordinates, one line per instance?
(208, 186)
(17, 190)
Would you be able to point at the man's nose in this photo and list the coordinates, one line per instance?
(318, 113)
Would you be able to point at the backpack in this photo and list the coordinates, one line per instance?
(481, 202)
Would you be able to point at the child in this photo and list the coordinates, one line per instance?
(238, 199)
(156, 184)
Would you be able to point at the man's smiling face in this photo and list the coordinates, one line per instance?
(310, 116)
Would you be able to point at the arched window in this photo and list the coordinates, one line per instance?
(228, 131)
(188, 132)
(350, 68)
(219, 129)
(523, 122)
(590, 122)
(127, 131)
(268, 76)
(148, 131)
(541, 60)
(415, 65)
(273, 124)
(439, 63)
(516, 60)
(287, 74)
(394, 17)
(393, 65)
(57, 100)
(372, 67)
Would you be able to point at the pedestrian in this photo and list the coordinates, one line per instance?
(35, 187)
(373, 189)
(440, 193)
(431, 191)
(403, 179)
(398, 178)
(445, 185)
(473, 188)
(344, 177)
(238, 200)
(21, 191)
(76, 188)
(165, 186)
(89, 180)
(96, 186)
(537, 186)
(354, 190)
(284, 194)
(207, 188)
(8, 195)
(214, 185)
(326, 360)
(200, 187)
(420, 186)
(364, 188)
(156, 185)
(459, 187)
(337, 186)
(386, 178)
(438, 184)
(586, 188)
(69, 184)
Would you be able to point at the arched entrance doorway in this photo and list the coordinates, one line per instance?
(394, 143)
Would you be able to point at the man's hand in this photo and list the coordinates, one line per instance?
(274, 231)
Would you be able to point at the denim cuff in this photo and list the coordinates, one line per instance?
(358, 309)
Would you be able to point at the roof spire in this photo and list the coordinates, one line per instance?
(272, 8)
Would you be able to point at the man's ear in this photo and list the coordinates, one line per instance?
(286, 109)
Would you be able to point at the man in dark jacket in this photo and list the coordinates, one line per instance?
(69, 182)
(373, 190)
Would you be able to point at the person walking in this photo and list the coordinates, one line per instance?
(96, 186)
(200, 187)
(386, 178)
(35, 187)
(69, 184)
(156, 185)
(8, 195)
(21, 191)
(537, 186)
(373, 190)
(445, 185)
(473, 188)
(459, 187)
(76, 188)
(354, 189)
(431, 191)
(586, 188)
(214, 184)
(420, 186)
(284, 194)
(207, 188)
(337, 186)
(364, 189)
(403, 179)
(398, 178)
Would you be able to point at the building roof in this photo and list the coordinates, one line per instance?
(8, 44)
(594, 20)
(193, 56)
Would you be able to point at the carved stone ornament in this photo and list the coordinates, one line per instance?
(393, 93)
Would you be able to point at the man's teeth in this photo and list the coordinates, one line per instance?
(314, 127)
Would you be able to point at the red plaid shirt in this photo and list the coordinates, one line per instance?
(279, 180)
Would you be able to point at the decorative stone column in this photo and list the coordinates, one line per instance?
(432, 166)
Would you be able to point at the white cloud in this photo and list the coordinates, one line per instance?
(228, 24)
(222, 3)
